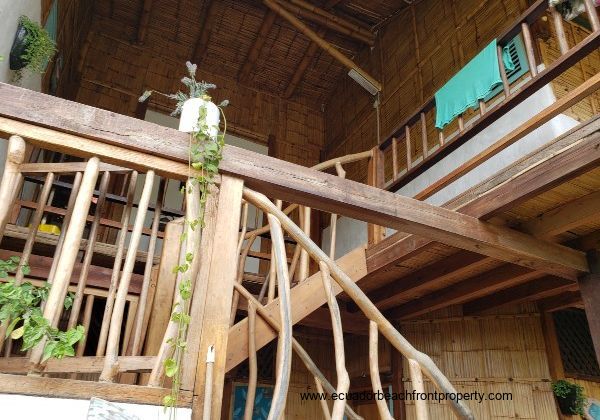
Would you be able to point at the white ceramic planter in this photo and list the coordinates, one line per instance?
(188, 122)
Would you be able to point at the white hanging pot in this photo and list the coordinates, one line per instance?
(188, 122)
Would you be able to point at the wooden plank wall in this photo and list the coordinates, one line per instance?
(116, 72)
(415, 54)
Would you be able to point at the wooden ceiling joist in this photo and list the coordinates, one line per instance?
(568, 216)
(301, 69)
(144, 19)
(534, 290)
(329, 20)
(312, 35)
(480, 285)
(256, 48)
(561, 301)
(206, 24)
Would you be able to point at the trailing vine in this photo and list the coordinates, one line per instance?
(39, 48)
(20, 312)
(205, 153)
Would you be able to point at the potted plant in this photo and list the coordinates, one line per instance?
(569, 396)
(200, 117)
(32, 48)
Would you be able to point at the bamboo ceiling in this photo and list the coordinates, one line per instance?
(243, 40)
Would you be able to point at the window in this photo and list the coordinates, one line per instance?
(519, 58)
(575, 343)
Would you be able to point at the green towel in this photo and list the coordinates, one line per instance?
(473, 82)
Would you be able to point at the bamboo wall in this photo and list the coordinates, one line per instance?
(115, 72)
(415, 54)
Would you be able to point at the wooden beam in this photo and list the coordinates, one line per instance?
(312, 35)
(256, 47)
(527, 292)
(562, 301)
(85, 364)
(480, 285)
(329, 20)
(557, 370)
(142, 29)
(309, 55)
(589, 286)
(565, 217)
(427, 277)
(306, 297)
(279, 179)
(207, 21)
(84, 390)
(567, 157)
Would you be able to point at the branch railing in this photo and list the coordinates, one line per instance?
(404, 169)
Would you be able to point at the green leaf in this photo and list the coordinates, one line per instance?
(171, 367)
(168, 401)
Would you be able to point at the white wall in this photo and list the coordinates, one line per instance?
(24, 407)
(10, 10)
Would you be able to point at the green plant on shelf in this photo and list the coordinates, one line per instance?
(22, 316)
(570, 396)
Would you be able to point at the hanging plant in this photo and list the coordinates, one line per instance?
(570, 397)
(32, 48)
(200, 117)
(20, 312)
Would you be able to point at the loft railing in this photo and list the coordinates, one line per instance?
(104, 139)
(408, 167)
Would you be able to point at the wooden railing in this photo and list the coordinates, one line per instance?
(214, 346)
(406, 168)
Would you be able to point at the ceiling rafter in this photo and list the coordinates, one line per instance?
(257, 46)
(207, 20)
(143, 23)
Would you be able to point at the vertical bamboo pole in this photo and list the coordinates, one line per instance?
(304, 260)
(343, 379)
(129, 324)
(408, 148)
(482, 107)
(333, 225)
(240, 275)
(424, 136)
(592, 14)
(395, 158)
(284, 347)
(64, 268)
(416, 377)
(375, 178)
(15, 155)
(33, 227)
(89, 252)
(110, 368)
(116, 270)
(559, 28)
(252, 367)
(461, 123)
(441, 137)
(87, 318)
(323, 401)
(384, 412)
(141, 313)
(505, 84)
(528, 40)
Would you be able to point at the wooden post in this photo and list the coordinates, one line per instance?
(417, 381)
(592, 14)
(382, 407)
(408, 148)
(398, 384)
(559, 28)
(15, 155)
(304, 260)
(589, 286)
(375, 178)
(67, 257)
(112, 350)
(214, 326)
(394, 158)
(529, 48)
(424, 136)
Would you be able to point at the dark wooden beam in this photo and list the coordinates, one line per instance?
(589, 286)
(144, 19)
(427, 277)
(279, 179)
(309, 55)
(206, 24)
(256, 47)
(567, 157)
(480, 285)
(562, 301)
(527, 292)
(566, 217)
